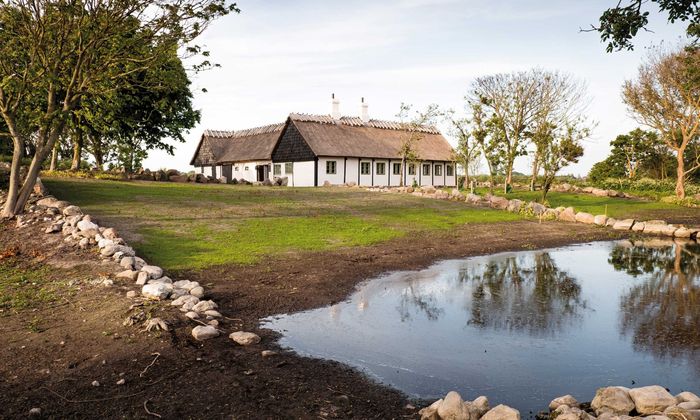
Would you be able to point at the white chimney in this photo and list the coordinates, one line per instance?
(364, 113)
(335, 110)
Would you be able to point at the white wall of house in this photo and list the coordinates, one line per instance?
(246, 170)
(299, 174)
(211, 170)
(331, 170)
(349, 170)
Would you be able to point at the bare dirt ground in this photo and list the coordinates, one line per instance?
(52, 353)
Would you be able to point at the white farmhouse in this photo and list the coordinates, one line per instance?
(314, 150)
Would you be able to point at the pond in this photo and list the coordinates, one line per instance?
(521, 328)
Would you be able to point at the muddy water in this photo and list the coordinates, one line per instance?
(521, 328)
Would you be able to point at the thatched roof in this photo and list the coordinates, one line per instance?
(346, 137)
(351, 137)
(216, 146)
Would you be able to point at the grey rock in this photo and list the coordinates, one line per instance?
(141, 278)
(612, 399)
(687, 396)
(197, 291)
(625, 224)
(481, 405)
(600, 220)
(55, 227)
(583, 217)
(202, 332)
(212, 313)
(128, 275)
(72, 211)
(157, 291)
(153, 271)
(84, 225)
(502, 412)
(568, 400)
(453, 407)
(567, 215)
(110, 233)
(244, 338)
(651, 399)
(184, 299)
(205, 305)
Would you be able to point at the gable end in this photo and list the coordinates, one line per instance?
(291, 146)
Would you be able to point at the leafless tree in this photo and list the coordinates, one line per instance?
(415, 125)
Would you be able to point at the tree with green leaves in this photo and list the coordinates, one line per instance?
(489, 138)
(467, 151)
(414, 125)
(561, 148)
(510, 100)
(665, 96)
(620, 24)
(56, 54)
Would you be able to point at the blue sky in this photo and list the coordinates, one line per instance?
(281, 56)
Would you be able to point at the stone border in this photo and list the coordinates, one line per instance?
(568, 214)
(609, 403)
(79, 230)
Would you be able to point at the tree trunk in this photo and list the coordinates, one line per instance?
(509, 177)
(680, 173)
(465, 184)
(546, 186)
(403, 171)
(535, 171)
(13, 189)
(54, 158)
(77, 149)
(97, 152)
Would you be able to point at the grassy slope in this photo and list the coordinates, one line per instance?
(616, 207)
(194, 226)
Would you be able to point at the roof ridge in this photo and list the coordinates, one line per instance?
(263, 129)
(357, 122)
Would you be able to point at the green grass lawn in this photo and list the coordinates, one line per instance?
(616, 207)
(181, 226)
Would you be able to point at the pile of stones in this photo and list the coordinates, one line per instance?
(598, 192)
(567, 214)
(81, 231)
(610, 403)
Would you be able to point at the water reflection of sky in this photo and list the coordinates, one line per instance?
(521, 328)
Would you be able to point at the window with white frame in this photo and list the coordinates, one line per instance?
(381, 168)
(330, 167)
(448, 170)
(364, 168)
(438, 169)
(289, 168)
(277, 169)
(396, 168)
(411, 168)
(426, 169)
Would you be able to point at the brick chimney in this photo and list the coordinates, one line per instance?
(335, 107)
(364, 113)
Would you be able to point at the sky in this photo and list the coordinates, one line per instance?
(280, 56)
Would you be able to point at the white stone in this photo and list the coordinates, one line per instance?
(583, 217)
(127, 262)
(481, 405)
(85, 225)
(110, 233)
(153, 271)
(202, 332)
(612, 399)
(687, 396)
(128, 275)
(430, 412)
(141, 278)
(600, 220)
(212, 313)
(204, 306)
(163, 279)
(624, 224)
(452, 407)
(184, 299)
(651, 399)
(192, 315)
(157, 291)
(103, 243)
(502, 412)
(568, 400)
(72, 211)
(245, 338)
(197, 291)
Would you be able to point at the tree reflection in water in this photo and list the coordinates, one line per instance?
(524, 294)
(662, 311)
(520, 293)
